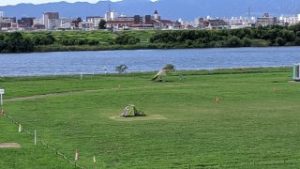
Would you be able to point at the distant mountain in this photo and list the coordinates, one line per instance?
(173, 9)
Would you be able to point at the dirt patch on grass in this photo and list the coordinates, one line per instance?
(141, 118)
(9, 145)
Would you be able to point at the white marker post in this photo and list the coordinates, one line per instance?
(20, 128)
(2, 92)
(94, 160)
(76, 157)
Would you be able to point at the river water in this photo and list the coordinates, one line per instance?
(89, 62)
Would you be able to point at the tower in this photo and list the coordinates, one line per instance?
(156, 15)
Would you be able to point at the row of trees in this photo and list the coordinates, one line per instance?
(266, 36)
(19, 42)
(15, 42)
(262, 36)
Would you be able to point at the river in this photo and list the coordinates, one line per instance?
(89, 62)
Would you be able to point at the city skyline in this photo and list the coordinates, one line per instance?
(15, 2)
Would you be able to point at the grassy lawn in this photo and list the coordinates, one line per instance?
(223, 119)
(29, 156)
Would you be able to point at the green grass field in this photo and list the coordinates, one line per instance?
(242, 119)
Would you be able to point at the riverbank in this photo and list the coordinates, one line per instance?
(56, 48)
(222, 119)
(148, 39)
(150, 73)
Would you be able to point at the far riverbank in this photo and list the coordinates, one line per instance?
(49, 41)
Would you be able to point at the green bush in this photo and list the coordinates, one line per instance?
(16, 42)
(234, 42)
(280, 41)
(125, 39)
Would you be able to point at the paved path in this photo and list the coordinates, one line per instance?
(9, 145)
(67, 93)
(49, 95)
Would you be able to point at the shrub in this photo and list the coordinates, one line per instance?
(121, 68)
(125, 39)
(247, 42)
(234, 42)
(280, 41)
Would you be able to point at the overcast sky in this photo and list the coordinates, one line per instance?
(14, 2)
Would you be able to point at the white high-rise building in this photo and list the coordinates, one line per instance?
(156, 15)
(95, 20)
(111, 15)
(38, 21)
(65, 23)
(51, 20)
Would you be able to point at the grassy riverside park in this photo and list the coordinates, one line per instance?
(240, 118)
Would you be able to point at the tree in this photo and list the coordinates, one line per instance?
(121, 68)
(163, 72)
(125, 39)
(247, 42)
(280, 41)
(288, 36)
(297, 41)
(234, 42)
(42, 39)
(15, 42)
(169, 68)
(102, 24)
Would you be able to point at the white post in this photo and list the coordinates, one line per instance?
(35, 137)
(1, 98)
(20, 128)
(94, 159)
(2, 92)
(76, 155)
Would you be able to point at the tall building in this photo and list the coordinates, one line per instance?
(266, 20)
(51, 20)
(156, 15)
(111, 16)
(137, 19)
(148, 19)
(95, 20)
(65, 23)
(26, 22)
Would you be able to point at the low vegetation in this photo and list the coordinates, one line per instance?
(255, 37)
(121, 68)
(149, 39)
